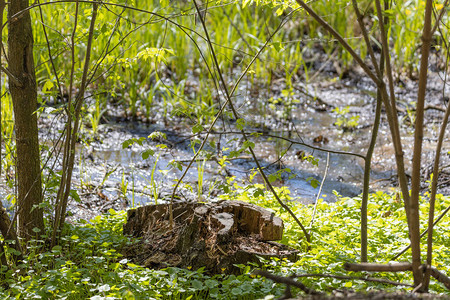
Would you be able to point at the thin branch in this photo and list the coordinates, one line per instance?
(11, 76)
(320, 190)
(3, 261)
(287, 281)
(376, 123)
(366, 38)
(236, 28)
(340, 39)
(422, 234)
(68, 128)
(439, 276)
(294, 142)
(369, 279)
(50, 52)
(71, 137)
(439, 18)
(370, 267)
(219, 114)
(236, 115)
(434, 184)
(414, 229)
(391, 111)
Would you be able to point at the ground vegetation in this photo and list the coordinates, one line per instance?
(200, 69)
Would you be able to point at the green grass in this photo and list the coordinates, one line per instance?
(237, 30)
(149, 64)
(88, 264)
(336, 239)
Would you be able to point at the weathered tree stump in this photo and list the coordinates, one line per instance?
(214, 235)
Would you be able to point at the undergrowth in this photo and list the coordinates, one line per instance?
(89, 265)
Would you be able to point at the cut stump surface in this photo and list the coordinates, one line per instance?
(214, 235)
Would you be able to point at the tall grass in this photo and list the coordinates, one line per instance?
(237, 30)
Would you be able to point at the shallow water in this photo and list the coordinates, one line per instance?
(108, 176)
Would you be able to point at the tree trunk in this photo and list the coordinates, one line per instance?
(24, 97)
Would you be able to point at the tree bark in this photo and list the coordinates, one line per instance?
(24, 98)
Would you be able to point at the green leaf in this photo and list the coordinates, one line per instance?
(240, 124)
(390, 13)
(48, 85)
(313, 182)
(236, 291)
(197, 128)
(126, 144)
(75, 196)
(225, 188)
(248, 144)
(272, 177)
(278, 46)
(197, 284)
(234, 154)
(159, 54)
(147, 153)
(211, 283)
(157, 135)
(140, 141)
(56, 248)
(176, 165)
(258, 192)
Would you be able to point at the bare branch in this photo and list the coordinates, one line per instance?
(287, 281)
(320, 189)
(441, 277)
(369, 279)
(11, 76)
(370, 267)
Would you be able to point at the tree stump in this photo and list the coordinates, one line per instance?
(214, 235)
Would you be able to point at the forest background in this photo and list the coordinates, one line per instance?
(71, 66)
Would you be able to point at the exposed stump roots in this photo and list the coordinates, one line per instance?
(214, 235)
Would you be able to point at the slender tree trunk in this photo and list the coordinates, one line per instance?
(24, 97)
(418, 137)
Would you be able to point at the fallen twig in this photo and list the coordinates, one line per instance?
(287, 281)
(370, 279)
(371, 267)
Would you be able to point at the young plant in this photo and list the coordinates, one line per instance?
(343, 121)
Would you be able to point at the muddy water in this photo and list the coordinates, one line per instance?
(107, 176)
(301, 122)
